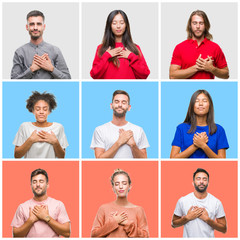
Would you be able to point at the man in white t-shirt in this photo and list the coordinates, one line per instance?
(41, 216)
(200, 212)
(119, 138)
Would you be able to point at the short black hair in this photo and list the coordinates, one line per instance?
(35, 13)
(39, 171)
(36, 96)
(121, 92)
(200, 170)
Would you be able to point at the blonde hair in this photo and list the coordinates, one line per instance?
(119, 171)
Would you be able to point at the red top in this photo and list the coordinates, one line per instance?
(130, 68)
(186, 53)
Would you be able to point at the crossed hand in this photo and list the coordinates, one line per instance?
(39, 212)
(204, 64)
(118, 52)
(126, 137)
(121, 218)
(200, 139)
(43, 136)
(43, 62)
(197, 212)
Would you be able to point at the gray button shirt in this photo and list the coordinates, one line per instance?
(23, 58)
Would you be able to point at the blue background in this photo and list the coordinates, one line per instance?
(96, 99)
(15, 95)
(175, 98)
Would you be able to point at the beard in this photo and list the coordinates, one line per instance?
(198, 36)
(201, 190)
(35, 37)
(121, 114)
(40, 194)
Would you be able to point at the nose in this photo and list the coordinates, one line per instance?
(120, 186)
(200, 102)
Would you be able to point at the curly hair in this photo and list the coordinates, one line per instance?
(36, 96)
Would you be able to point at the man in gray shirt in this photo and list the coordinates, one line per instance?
(38, 59)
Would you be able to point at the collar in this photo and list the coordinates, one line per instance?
(35, 46)
(204, 41)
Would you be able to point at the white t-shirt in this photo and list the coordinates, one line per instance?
(107, 134)
(40, 149)
(197, 227)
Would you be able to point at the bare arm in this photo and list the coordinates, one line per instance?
(62, 229)
(138, 153)
(175, 72)
(175, 152)
(220, 72)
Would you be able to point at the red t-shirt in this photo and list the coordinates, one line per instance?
(186, 53)
(131, 68)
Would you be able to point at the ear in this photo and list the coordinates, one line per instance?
(44, 26)
(193, 183)
(27, 27)
(130, 187)
(111, 105)
(129, 107)
(48, 185)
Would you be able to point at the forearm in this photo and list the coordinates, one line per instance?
(220, 72)
(111, 152)
(179, 221)
(59, 151)
(105, 229)
(185, 154)
(182, 73)
(134, 231)
(209, 152)
(62, 229)
(20, 151)
(23, 230)
(137, 153)
(221, 227)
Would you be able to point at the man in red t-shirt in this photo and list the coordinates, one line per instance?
(198, 57)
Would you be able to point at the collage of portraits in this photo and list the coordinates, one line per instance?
(119, 119)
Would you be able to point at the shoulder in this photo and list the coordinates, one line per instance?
(220, 128)
(105, 206)
(183, 44)
(52, 47)
(137, 46)
(134, 126)
(26, 204)
(23, 48)
(213, 44)
(186, 197)
(58, 125)
(54, 201)
(25, 125)
(183, 126)
(213, 199)
(103, 126)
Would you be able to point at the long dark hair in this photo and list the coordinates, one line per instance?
(109, 38)
(191, 116)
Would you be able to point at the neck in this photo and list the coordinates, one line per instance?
(199, 40)
(41, 124)
(118, 39)
(200, 195)
(119, 121)
(122, 201)
(37, 41)
(41, 198)
(201, 120)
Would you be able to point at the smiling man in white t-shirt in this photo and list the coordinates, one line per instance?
(119, 138)
(200, 212)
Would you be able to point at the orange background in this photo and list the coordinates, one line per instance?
(63, 185)
(97, 190)
(176, 181)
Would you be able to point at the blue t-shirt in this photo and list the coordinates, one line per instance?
(183, 139)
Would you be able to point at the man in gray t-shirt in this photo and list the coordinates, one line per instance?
(38, 59)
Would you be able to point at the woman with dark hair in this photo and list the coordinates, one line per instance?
(118, 57)
(120, 218)
(198, 136)
(40, 139)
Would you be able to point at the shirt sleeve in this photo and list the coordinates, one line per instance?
(19, 139)
(176, 57)
(139, 230)
(139, 65)
(102, 226)
(222, 138)
(62, 138)
(19, 70)
(177, 141)
(100, 64)
(62, 214)
(18, 219)
(220, 60)
(178, 210)
(143, 142)
(60, 70)
(219, 210)
(97, 139)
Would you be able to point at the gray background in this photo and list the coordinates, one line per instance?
(143, 19)
(62, 30)
(224, 28)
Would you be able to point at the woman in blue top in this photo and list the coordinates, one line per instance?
(198, 136)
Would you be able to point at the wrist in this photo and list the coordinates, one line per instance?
(52, 68)
(32, 69)
(212, 69)
(47, 219)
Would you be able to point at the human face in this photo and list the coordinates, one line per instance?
(120, 105)
(201, 182)
(35, 27)
(121, 185)
(201, 106)
(39, 185)
(198, 27)
(118, 25)
(41, 111)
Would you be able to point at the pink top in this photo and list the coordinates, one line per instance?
(40, 228)
(131, 68)
(105, 225)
